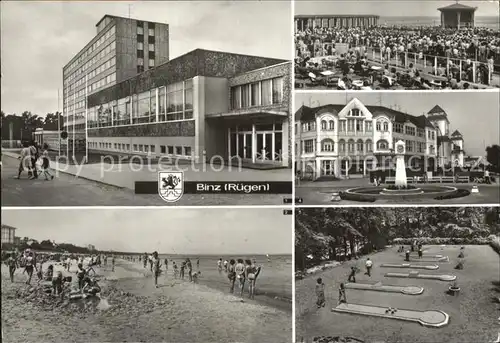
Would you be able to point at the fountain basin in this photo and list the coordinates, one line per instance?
(423, 191)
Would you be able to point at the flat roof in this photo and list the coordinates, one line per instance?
(306, 16)
(117, 16)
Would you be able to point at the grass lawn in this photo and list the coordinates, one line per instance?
(473, 314)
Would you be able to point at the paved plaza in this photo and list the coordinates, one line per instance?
(320, 193)
(113, 185)
(473, 313)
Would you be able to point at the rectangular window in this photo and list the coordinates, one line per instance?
(140, 46)
(277, 90)
(266, 93)
(309, 146)
(255, 94)
(140, 61)
(245, 96)
(151, 31)
(140, 30)
(170, 150)
(152, 148)
(151, 47)
(178, 150)
(141, 148)
(135, 147)
(152, 106)
(162, 97)
(143, 110)
(188, 100)
(187, 151)
(163, 149)
(151, 63)
(236, 97)
(128, 147)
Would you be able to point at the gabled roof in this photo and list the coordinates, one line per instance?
(306, 113)
(436, 110)
(457, 6)
(456, 135)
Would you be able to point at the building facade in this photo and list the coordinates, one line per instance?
(121, 49)
(457, 15)
(338, 21)
(199, 106)
(51, 138)
(351, 140)
(8, 234)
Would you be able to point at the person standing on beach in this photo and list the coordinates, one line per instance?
(231, 274)
(80, 274)
(166, 265)
(219, 265)
(29, 266)
(225, 265)
(113, 263)
(240, 275)
(156, 265)
(257, 272)
(150, 262)
(183, 266)
(250, 272)
(12, 263)
(189, 267)
(198, 263)
(145, 259)
(176, 270)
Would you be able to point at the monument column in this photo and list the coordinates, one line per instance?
(400, 181)
(458, 20)
(442, 20)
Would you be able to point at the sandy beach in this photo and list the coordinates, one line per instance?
(133, 310)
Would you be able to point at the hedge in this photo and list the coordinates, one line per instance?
(459, 193)
(446, 241)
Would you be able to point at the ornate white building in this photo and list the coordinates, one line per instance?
(351, 140)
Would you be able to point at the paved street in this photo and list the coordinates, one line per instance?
(319, 193)
(68, 190)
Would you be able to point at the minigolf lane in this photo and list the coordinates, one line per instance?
(417, 275)
(433, 318)
(430, 260)
(379, 287)
(408, 265)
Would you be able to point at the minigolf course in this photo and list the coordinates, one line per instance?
(408, 265)
(433, 318)
(417, 275)
(379, 287)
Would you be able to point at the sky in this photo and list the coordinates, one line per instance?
(215, 231)
(391, 8)
(474, 113)
(39, 38)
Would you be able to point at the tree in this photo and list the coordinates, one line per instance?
(51, 121)
(493, 157)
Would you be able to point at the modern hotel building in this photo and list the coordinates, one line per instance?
(198, 106)
(122, 48)
(352, 139)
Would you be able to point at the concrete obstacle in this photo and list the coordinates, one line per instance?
(474, 189)
(379, 287)
(335, 197)
(408, 265)
(417, 275)
(432, 318)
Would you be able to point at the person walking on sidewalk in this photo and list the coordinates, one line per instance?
(34, 154)
(369, 265)
(352, 275)
(46, 163)
(25, 161)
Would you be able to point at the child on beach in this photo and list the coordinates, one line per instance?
(342, 296)
(320, 293)
(176, 270)
(46, 162)
(231, 274)
(189, 267)
(166, 265)
(145, 259)
(49, 274)
(352, 275)
(219, 265)
(80, 274)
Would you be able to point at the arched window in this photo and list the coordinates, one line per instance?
(386, 126)
(323, 125)
(331, 125)
(360, 146)
(342, 145)
(350, 145)
(378, 126)
(369, 146)
(382, 145)
(327, 145)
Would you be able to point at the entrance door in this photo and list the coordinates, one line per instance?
(248, 146)
(265, 146)
(241, 145)
(328, 167)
